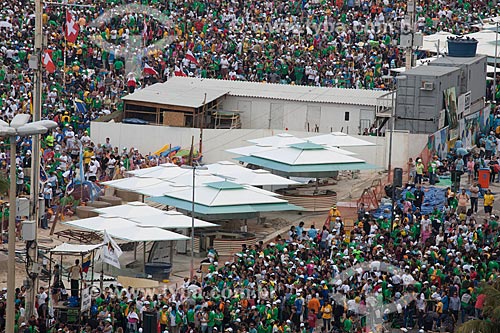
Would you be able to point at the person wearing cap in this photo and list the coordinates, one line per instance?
(20, 181)
(163, 318)
(333, 213)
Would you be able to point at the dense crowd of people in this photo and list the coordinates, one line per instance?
(293, 285)
(423, 271)
(338, 43)
(290, 285)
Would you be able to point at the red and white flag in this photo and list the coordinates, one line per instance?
(149, 70)
(145, 31)
(47, 62)
(72, 28)
(179, 72)
(190, 57)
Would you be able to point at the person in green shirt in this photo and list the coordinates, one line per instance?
(211, 320)
(347, 324)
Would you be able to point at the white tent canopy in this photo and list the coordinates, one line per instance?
(159, 189)
(202, 177)
(74, 248)
(249, 150)
(130, 210)
(295, 156)
(171, 220)
(164, 173)
(140, 172)
(125, 229)
(100, 223)
(140, 234)
(279, 140)
(241, 175)
(132, 183)
(339, 139)
(210, 195)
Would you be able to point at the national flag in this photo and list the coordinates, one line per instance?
(86, 263)
(190, 56)
(70, 187)
(71, 184)
(80, 106)
(110, 251)
(179, 72)
(72, 28)
(47, 62)
(43, 175)
(149, 70)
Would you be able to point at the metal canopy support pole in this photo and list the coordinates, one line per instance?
(144, 257)
(11, 270)
(393, 115)
(191, 271)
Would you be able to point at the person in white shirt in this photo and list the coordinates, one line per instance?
(20, 180)
(111, 166)
(41, 297)
(63, 161)
(93, 168)
(85, 139)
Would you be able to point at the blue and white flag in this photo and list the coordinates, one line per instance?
(80, 106)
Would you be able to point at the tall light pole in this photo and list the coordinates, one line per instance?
(193, 168)
(495, 68)
(34, 213)
(19, 126)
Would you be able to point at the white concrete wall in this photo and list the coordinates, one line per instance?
(149, 138)
(404, 145)
(278, 114)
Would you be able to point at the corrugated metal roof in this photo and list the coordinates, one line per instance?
(431, 70)
(187, 91)
(171, 93)
(457, 61)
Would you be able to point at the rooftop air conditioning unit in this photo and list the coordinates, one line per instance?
(427, 86)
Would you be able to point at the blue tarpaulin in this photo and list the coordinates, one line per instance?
(433, 197)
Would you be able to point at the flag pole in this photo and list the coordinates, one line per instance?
(64, 61)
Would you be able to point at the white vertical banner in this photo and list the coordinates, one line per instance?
(110, 251)
(86, 300)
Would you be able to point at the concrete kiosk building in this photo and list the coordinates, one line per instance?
(445, 90)
(250, 105)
